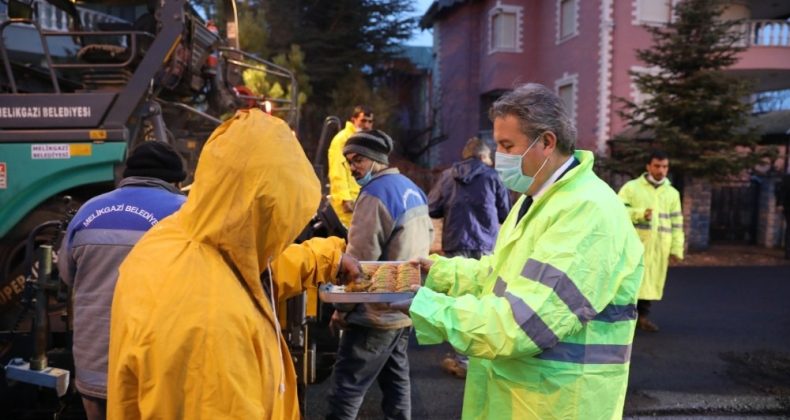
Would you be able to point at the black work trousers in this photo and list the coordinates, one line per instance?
(643, 307)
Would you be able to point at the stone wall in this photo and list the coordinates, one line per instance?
(770, 221)
(696, 214)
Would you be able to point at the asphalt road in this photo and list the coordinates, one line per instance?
(723, 351)
(724, 344)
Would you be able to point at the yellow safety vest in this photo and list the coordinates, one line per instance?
(548, 319)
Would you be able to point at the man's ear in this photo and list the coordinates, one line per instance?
(549, 141)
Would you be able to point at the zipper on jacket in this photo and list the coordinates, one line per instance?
(276, 325)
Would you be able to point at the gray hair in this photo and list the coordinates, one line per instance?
(475, 148)
(538, 110)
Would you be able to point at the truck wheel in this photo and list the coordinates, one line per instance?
(12, 261)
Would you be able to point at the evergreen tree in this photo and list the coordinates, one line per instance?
(337, 48)
(339, 37)
(253, 28)
(693, 110)
(356, 90)
(294, 60)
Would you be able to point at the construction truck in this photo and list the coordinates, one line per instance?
(82, 83)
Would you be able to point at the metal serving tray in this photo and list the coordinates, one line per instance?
(337, 294)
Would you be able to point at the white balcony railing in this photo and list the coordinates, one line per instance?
(767, 33)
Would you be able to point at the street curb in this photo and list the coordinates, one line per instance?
(656, 403)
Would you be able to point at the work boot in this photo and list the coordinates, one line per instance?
(453, 367)
(645, 324)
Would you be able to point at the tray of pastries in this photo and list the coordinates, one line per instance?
(380, 281)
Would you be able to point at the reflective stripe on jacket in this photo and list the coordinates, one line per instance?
(193, 333)
(342, 185)
(548, 318)
(662, 236)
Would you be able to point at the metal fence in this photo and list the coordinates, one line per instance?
(733, 212)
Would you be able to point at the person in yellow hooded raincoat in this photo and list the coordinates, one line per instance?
(547, 319)
(343, 188)
(193, 327)
(654, 207)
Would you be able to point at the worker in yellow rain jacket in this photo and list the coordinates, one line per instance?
(343, 188)
(193, 327)
(654, 206)
(547, 319)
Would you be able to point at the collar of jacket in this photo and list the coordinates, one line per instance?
(383, 172)
(585, 159)
(350, 127)
(144, 181)
(553, 178)
(643, 179)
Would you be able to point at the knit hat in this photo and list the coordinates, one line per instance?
(373, 144)
(155, 159)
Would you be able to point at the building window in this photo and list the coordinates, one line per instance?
(504, 28)
(486, 102)
(567, 19)
(566, 94)
(505, 31)
(567, 91)
(653, 12)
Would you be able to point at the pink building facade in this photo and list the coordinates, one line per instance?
(584, 49)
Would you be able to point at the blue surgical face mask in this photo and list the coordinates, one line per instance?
(365, 179)
(509, 169)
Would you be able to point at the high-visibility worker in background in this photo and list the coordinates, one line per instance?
(654, 206)
(343, 188)
(548, 318)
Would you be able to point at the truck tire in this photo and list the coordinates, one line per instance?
(12, 260)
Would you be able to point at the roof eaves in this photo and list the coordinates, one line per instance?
(437, 8)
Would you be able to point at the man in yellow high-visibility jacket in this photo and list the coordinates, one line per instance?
(654, 206)
(548, 318)
(343, 189)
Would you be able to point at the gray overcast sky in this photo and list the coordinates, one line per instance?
(424, 38)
